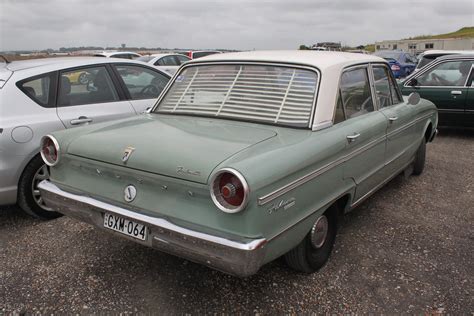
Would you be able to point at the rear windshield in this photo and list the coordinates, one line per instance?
(202, 54)
(145, 58)
(262, 93)
(425, 60)
(388, 54)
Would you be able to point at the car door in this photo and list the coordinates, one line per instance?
(142, 85)
(401, 134)
(168, 63)
(90, 95)
(365, 131)
(444, 84)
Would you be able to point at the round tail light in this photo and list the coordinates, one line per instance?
(49, 150)
(229, 190)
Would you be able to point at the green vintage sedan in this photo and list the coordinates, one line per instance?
(448, 83)
(244, 158)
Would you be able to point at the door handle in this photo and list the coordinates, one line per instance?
(393, 119)
(81, 120)
(456, 92)
(352, 138)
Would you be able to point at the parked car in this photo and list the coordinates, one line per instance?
(166, 62)
(124, 55)
(38, 97)
(193, 54)
(430, 55)
(254, 156)
(401, 63)
(447, 82)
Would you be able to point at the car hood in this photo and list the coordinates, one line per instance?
(183, 147)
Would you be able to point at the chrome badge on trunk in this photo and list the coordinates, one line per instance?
(127, 153)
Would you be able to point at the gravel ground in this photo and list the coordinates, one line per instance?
(407, 249)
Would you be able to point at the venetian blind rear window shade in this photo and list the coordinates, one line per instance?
(270, 94)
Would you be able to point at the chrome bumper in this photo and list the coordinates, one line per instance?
(237, 256)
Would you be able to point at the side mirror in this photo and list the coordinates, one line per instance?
(414, 98)
(413, 82)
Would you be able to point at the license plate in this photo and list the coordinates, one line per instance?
(125, 226)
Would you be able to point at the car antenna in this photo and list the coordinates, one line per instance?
(4, 58)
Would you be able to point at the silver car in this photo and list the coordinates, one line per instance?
(45, 95)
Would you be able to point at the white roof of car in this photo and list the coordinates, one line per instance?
(61, 62)
(319, 59)
(440, 51)
(166, 54)
(109, 54)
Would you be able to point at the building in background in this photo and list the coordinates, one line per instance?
(416, 46)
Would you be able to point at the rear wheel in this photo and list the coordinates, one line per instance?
(314, 250)
(420, 157)
(29, 196)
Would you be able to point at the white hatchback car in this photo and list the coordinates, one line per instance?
(166, 62)
(124, 55)
(40, 96)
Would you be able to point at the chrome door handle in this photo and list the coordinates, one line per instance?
(81, 120)
(352, 138)
(456, 92)
(393, 119)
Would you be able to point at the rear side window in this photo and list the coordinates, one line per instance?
(355, 93)
(383, 89)
(141, 82)
(182, 59)
(86, 86)
(166, 61)
(38, 89)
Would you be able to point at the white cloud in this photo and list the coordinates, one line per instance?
(238, 24)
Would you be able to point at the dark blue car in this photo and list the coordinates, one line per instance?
(401, 63)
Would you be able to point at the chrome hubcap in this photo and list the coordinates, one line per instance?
(319, 232)
(40, 175)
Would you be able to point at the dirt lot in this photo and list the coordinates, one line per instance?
(408, 249)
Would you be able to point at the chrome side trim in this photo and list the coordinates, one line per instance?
(408, 125)
(154, 221)
(380, 185)
(313, 174)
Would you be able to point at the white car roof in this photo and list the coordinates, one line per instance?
(110, 54)
(32, 67)
(319, 59)
(166, 54)
(439, 51)
(62, 62)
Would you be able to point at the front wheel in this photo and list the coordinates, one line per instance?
(314, 250)
(29, 196)
(420, 157)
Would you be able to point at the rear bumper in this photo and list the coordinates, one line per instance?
(237, 256)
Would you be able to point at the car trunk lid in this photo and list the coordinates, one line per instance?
(182, 147)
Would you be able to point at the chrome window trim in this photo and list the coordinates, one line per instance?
(338, 90)
(315, 173)
(237, 62)
(434, 64)
(393, 82)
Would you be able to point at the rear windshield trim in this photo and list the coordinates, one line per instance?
(254, 63)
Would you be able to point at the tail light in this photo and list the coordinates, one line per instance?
(395, 67)
(190, 54)
(229, 190)
(49, 150)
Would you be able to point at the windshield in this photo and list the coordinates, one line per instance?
(263, 93)
(388, 54)
(145, 59)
